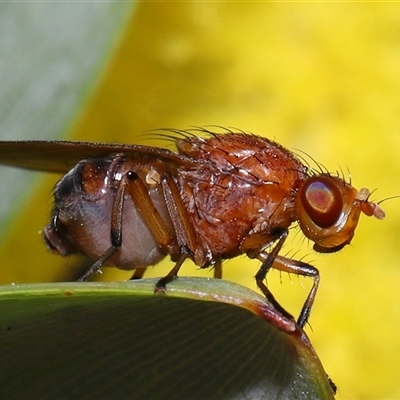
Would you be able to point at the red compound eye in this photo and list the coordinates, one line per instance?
(322, 200)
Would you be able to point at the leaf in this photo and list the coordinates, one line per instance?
(203, 340)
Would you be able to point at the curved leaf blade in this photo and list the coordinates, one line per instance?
(122, 341)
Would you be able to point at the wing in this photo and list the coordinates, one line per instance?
(60, 156)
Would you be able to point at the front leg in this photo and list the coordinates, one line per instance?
(273, 260)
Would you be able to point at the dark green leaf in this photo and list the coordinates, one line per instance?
(120, 341)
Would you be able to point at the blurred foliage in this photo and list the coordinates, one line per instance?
(320, 77)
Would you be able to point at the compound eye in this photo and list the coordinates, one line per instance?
(322, 201)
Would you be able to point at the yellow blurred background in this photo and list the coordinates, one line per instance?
(320, 77)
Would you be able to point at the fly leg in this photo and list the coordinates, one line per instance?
(132, 184)
(304, 269)
(268, 261)
(184, 232)
(138, 274)
(284, 264)
(173, 274)
(218, 270)
(115, 233)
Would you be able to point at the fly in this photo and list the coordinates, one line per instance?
(215, 198)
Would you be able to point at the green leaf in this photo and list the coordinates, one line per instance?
(206, 339)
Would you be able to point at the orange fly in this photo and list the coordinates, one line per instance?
(217, 197)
